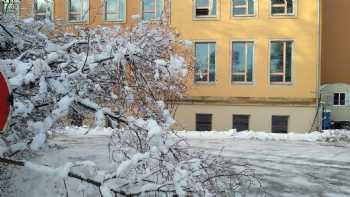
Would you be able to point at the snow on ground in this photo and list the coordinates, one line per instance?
(331, 135)
(290, 165)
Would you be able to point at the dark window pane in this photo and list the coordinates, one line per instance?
(239, 2)
(202, 12)
(336, 99)
(202, 3)
(251, 7)
(241, 122)
(342, 99)
(276, 57)
(239, 11)
(149, 5)
(159, 8)
(276, 78)
(278, 10)
(238, 78)
(250, 61)
(280, 124)
(75, 6)
(204, 122)
(212, 60)
(290, 7)
(289, 61)
(238, 57)
(213, 8)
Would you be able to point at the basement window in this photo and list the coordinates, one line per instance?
(280, 124)
(204, 122)
(205, 8)
(283, 7)
(240, 122)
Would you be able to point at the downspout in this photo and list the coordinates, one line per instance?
(319, 63)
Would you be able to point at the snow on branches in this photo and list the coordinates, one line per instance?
(126, 78)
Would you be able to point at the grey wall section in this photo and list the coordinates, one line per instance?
(300, 118)
(339, 113)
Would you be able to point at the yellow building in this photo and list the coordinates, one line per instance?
(257, 61)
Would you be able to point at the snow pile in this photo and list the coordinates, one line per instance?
(83, 131)
(326, 136)
(206, 134)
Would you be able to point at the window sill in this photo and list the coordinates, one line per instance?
(200, 83)
(205, 18)
(284, 16)
(281, 83)
(79, 22)
(244, 17)
(236, 83)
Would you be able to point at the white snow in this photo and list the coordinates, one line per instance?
(288, 166)
(328, 135)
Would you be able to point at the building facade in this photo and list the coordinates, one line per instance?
(335, 92)
(257, 61)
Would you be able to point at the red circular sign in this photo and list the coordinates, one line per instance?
(5, 106)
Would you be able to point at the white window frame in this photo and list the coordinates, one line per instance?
(208, 80)
(206, 7)
(51, 4)
(16, 7)
(339, 105)
(285, 6)
(154, 11)
(245, 65)
(284, 62)
(233, 6)
(78, 13)
(116, 12)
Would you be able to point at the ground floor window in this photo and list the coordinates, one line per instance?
(280, 124)
(240, 122)
(339, 99)
(204, 122)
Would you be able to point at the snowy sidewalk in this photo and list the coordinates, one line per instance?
(289, 168)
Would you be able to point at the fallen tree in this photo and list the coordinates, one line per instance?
(128, 79)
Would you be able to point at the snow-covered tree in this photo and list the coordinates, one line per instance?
(126, 78)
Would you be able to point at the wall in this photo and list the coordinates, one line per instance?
(303, 29)
(300, 118)
(335, 41)
(338, 113)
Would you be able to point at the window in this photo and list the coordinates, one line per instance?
(339, 99)
(240, 122)
(203, 122)
(42, 9)
(280, 124)
(205, 8)
(115, 10)
(243, 7)
(153, 9)
(205, 62)
(281, 61)
(78, 10)
(9, 7)
(242, 61)
(282, 7)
